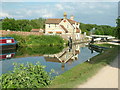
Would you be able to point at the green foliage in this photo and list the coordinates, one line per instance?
(22, 24)
(21, 40)
(45, 40)
(38, 23)
(0, 25)
(105, 30)
(99, 29)
(34, 40)
(26, 76)
(36, 50)
(117, 30)
(87, 27)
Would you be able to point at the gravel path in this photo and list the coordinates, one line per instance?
(107, 77)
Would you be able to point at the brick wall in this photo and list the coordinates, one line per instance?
(3, 32)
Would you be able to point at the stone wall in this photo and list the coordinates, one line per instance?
(3, 32)
(74, 36)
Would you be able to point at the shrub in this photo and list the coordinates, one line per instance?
(26, 76)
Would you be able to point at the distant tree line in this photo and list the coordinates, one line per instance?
(98, 29)
(22, 24)
(118, 28)
(27, 25)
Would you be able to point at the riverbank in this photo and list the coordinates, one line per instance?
(82, 72)
(34, 40)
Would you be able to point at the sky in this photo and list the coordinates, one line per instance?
(101, 13)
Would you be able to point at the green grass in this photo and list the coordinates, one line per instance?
(34, 40)
(0, 25)
(82, 72)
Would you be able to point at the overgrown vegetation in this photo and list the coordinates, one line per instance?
(82, 72)
(33, 40)
(22, 24)
(26, 76)
(0, 25)
(99, 29)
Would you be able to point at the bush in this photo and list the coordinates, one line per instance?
(26, 76)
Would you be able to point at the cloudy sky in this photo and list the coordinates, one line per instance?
(99, 13)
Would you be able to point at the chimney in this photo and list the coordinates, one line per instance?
(72, 17)
(65, 15)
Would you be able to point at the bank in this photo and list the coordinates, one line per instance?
(34, 40)
(82, 72)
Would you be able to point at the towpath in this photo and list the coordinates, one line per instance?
(107, 77)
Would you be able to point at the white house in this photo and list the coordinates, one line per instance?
(62, 26)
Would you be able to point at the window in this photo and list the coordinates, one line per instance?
(50, 32)
(67, 26)
(58, 32)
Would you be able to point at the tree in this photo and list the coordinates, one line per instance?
(8, 23)
(22, 24)
(117, 33)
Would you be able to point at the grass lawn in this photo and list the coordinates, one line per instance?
(82, 72)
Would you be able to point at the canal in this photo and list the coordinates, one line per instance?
(58, 58)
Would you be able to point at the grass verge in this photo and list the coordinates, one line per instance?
(82, 72)
(42, 40)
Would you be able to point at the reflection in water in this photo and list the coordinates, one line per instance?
(97, 49)
(37, 51)
(55, 58)
(7, 54)
(29, 51)
(67, 55)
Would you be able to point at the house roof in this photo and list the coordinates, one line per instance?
(64, 28)
(57, 21)
(77, 30)
(71, 21)
(53, 21)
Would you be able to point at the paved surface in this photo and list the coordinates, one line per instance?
(107, 77)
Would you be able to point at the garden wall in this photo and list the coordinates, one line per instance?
(3, 32)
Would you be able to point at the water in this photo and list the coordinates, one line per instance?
(58, 59)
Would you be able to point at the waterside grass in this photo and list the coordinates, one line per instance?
(82, 72)
(34, 40)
